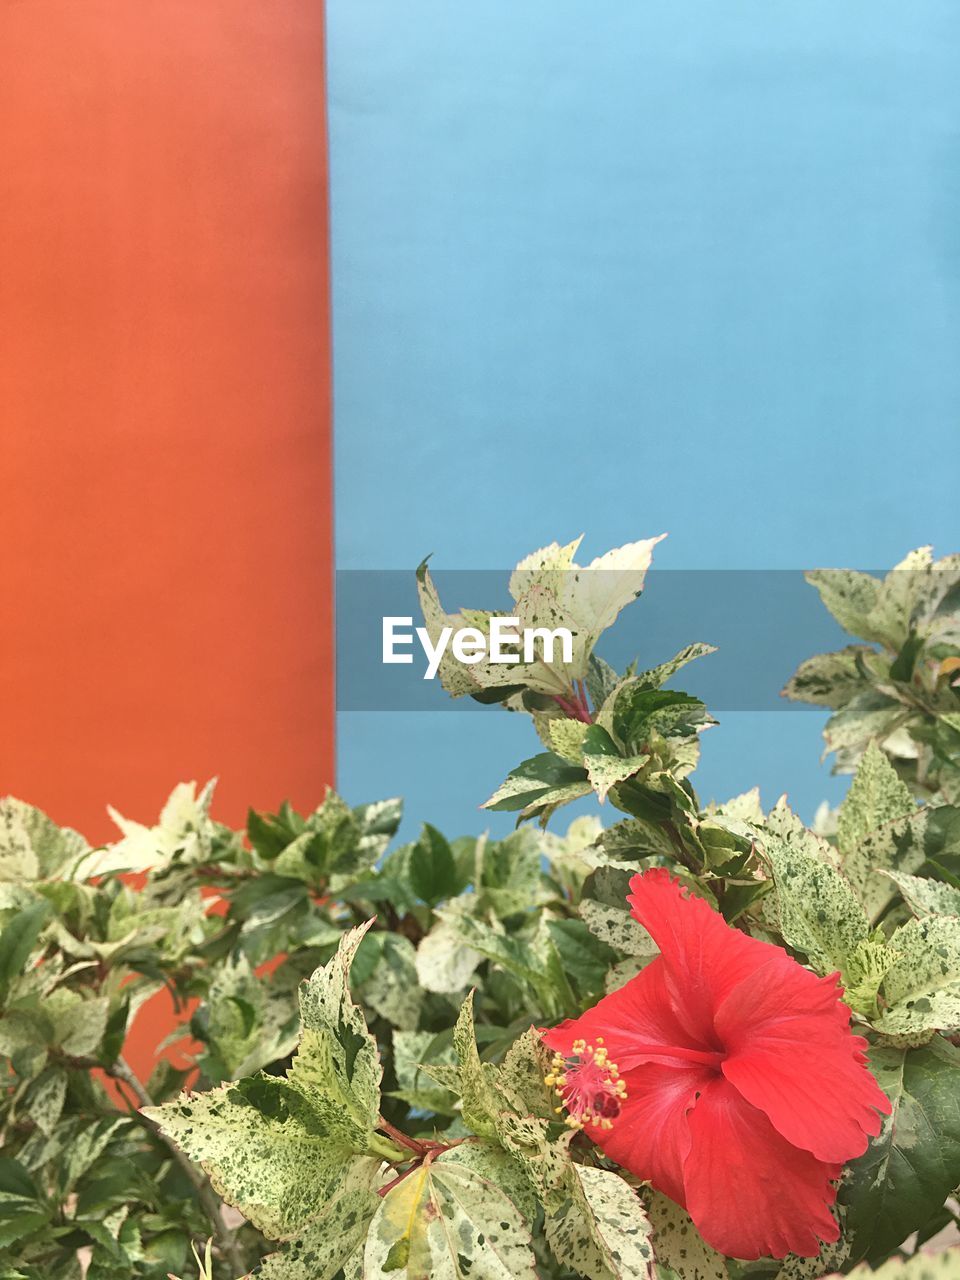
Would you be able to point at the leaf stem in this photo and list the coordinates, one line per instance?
(419, 1149)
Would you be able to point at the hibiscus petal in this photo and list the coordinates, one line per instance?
(750, 1192)
(791, 1053)
(637, 1023)
(705, 957)
(651, 1136)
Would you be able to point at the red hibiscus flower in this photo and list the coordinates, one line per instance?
(727, 1075)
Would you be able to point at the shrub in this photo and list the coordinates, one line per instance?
(372, 1092)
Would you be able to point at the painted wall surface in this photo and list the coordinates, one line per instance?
(164, 388)
(624, 268)
(165, 515)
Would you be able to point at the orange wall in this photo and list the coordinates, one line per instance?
(165, 523)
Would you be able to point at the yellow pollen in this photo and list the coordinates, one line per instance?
(588, 1085)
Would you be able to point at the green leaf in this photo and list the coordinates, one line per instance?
(17, 937)
(480, 1100)
(601, 1230)
(603, 762)
(816, 908)
(910, 1169)
(268, 834)
(541, 781)
(78, 1024)
(532, 959)
(415, 1053)
(903, 668)
(521, 1077)
(509, 873)
(877, 796)
(546, 1164)
(379, 817)
(445, 1222)
(678, 1244)
(432, 869)
(339, 1226)
(640, 712)
(922, 986)
(922, 1266)
(584, 957)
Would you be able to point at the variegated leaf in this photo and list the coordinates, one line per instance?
(922, 986)
(601, 1230)
(446, 1222)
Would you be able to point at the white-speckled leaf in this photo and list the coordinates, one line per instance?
(543, 568)
(815, 905)
(545, 1163)
(79, 1024)
(328, 1011)
(279, 1150)
(617, 928)
(457, 678)
(520, 1079)
(545, 780)
(566, 738)
(393, 990)
(184, 830)
(327, 1244)
(595, 594)
(877, 795)
(619, 974)
(659, 675)
(446, 1222)
(601, 1230)
(279, 1169)
(478, 1092)
(829, 679)
(45, 1100)
(850, 596)
(897, 846)
(829, 1258)
(678, 1244)
(445, 963)
(926, 897)
(491, 1162)
(33, 847)
(902, 591)
(922, 987)
(745, 807)
(605, 771)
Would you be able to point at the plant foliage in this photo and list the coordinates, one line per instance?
(367, 1097)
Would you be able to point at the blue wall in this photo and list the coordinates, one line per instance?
(630, 267)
